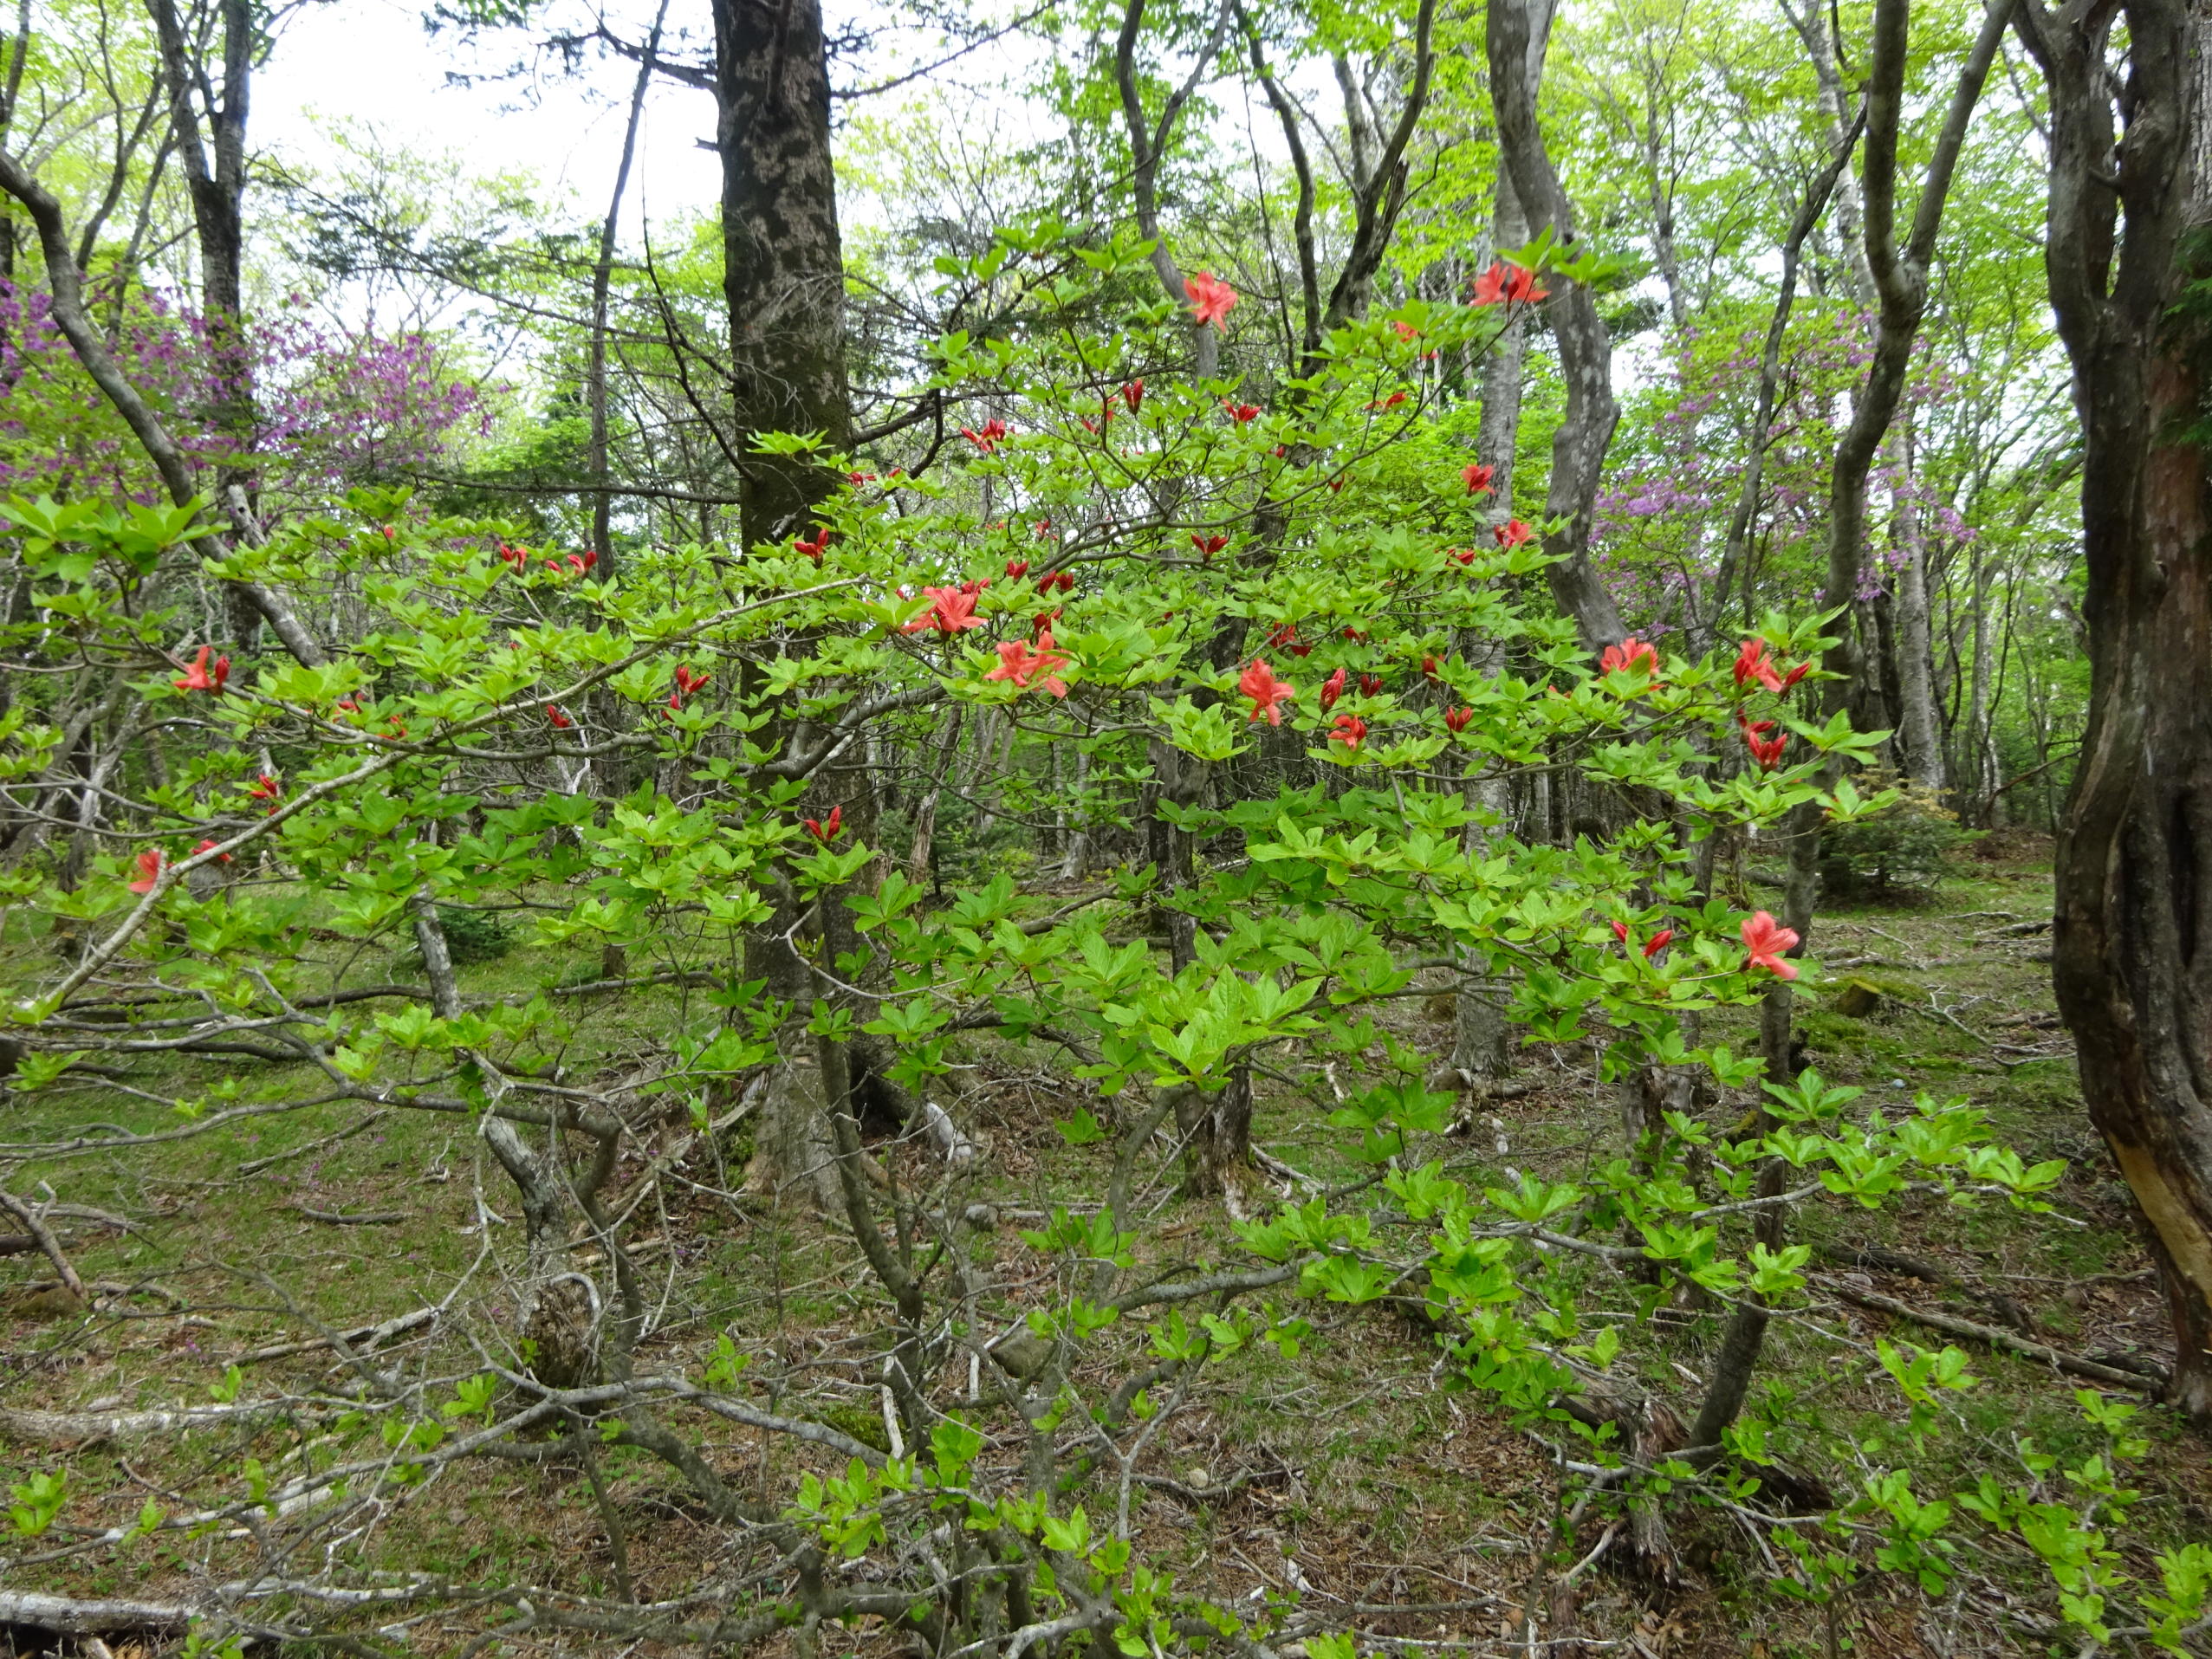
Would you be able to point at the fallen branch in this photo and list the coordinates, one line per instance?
(74, 1617)
(368, 1218)
(365, 1337)
(74, 1428)
(37, 1229)
(2111, 1376)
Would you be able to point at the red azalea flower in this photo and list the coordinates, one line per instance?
(1657, 942)
(1504, 284)
(1211, 299)
(1751, 663)
(1267, 693)
(1767, 751)
(1463, 556)
(1620, 930)
(514, 556)
(1044, 619)
(1016, 568)
(1627, 655)
(816, 549)
(1332, 689)
(220, 858)
(950, 612)
(1022, 667)
(1766, 939)
(150, 866)
(1208, 545)
(1133, 394)
(986, 437)
(1477, 477)
(1370, 685)
(561, 721)
(1243, 413)
(1355, 636)
(1406, 330)
(1350, 731)
(1428, 667)
(861, 477)
(1512, 533)
(826, 832)
(202, 676)
(1456, 720)
(267, 789)
(1391, 402)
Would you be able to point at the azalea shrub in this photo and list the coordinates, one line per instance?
(1302, 651)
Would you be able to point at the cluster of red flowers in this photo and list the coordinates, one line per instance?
(687, 683)
(1504, 284)
(813, 549)
(952, 610)
(1063, 580)
(1765, 749)
(1628, 655)
(1021, 666)
(1512, 533)
(1651, 946)
(1267, 693)
(574, 563)
(1208, 545)
(986, 437)
(203, 676)
(824, 831)
(1351, 731)
(1211, 299)
(1752, 663)
(1242, 413)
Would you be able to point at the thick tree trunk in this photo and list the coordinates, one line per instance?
(2133, 945)
(1584, 349)
(783, 273)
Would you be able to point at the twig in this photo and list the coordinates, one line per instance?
(2111, 1376)
(347, 1133)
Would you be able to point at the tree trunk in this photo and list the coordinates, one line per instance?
(602, 281)
(2133, 945)
(1584, 349)
(783, 273)
(1918, 727)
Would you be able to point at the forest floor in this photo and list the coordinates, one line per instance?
(1345, 1479)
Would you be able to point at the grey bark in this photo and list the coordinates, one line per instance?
(1585, 350)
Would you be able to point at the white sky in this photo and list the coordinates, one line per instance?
(370, 61)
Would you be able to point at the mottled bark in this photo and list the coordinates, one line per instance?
(2130, 202)
(783, 274)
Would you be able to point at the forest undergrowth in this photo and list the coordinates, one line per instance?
(1347, 1482)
